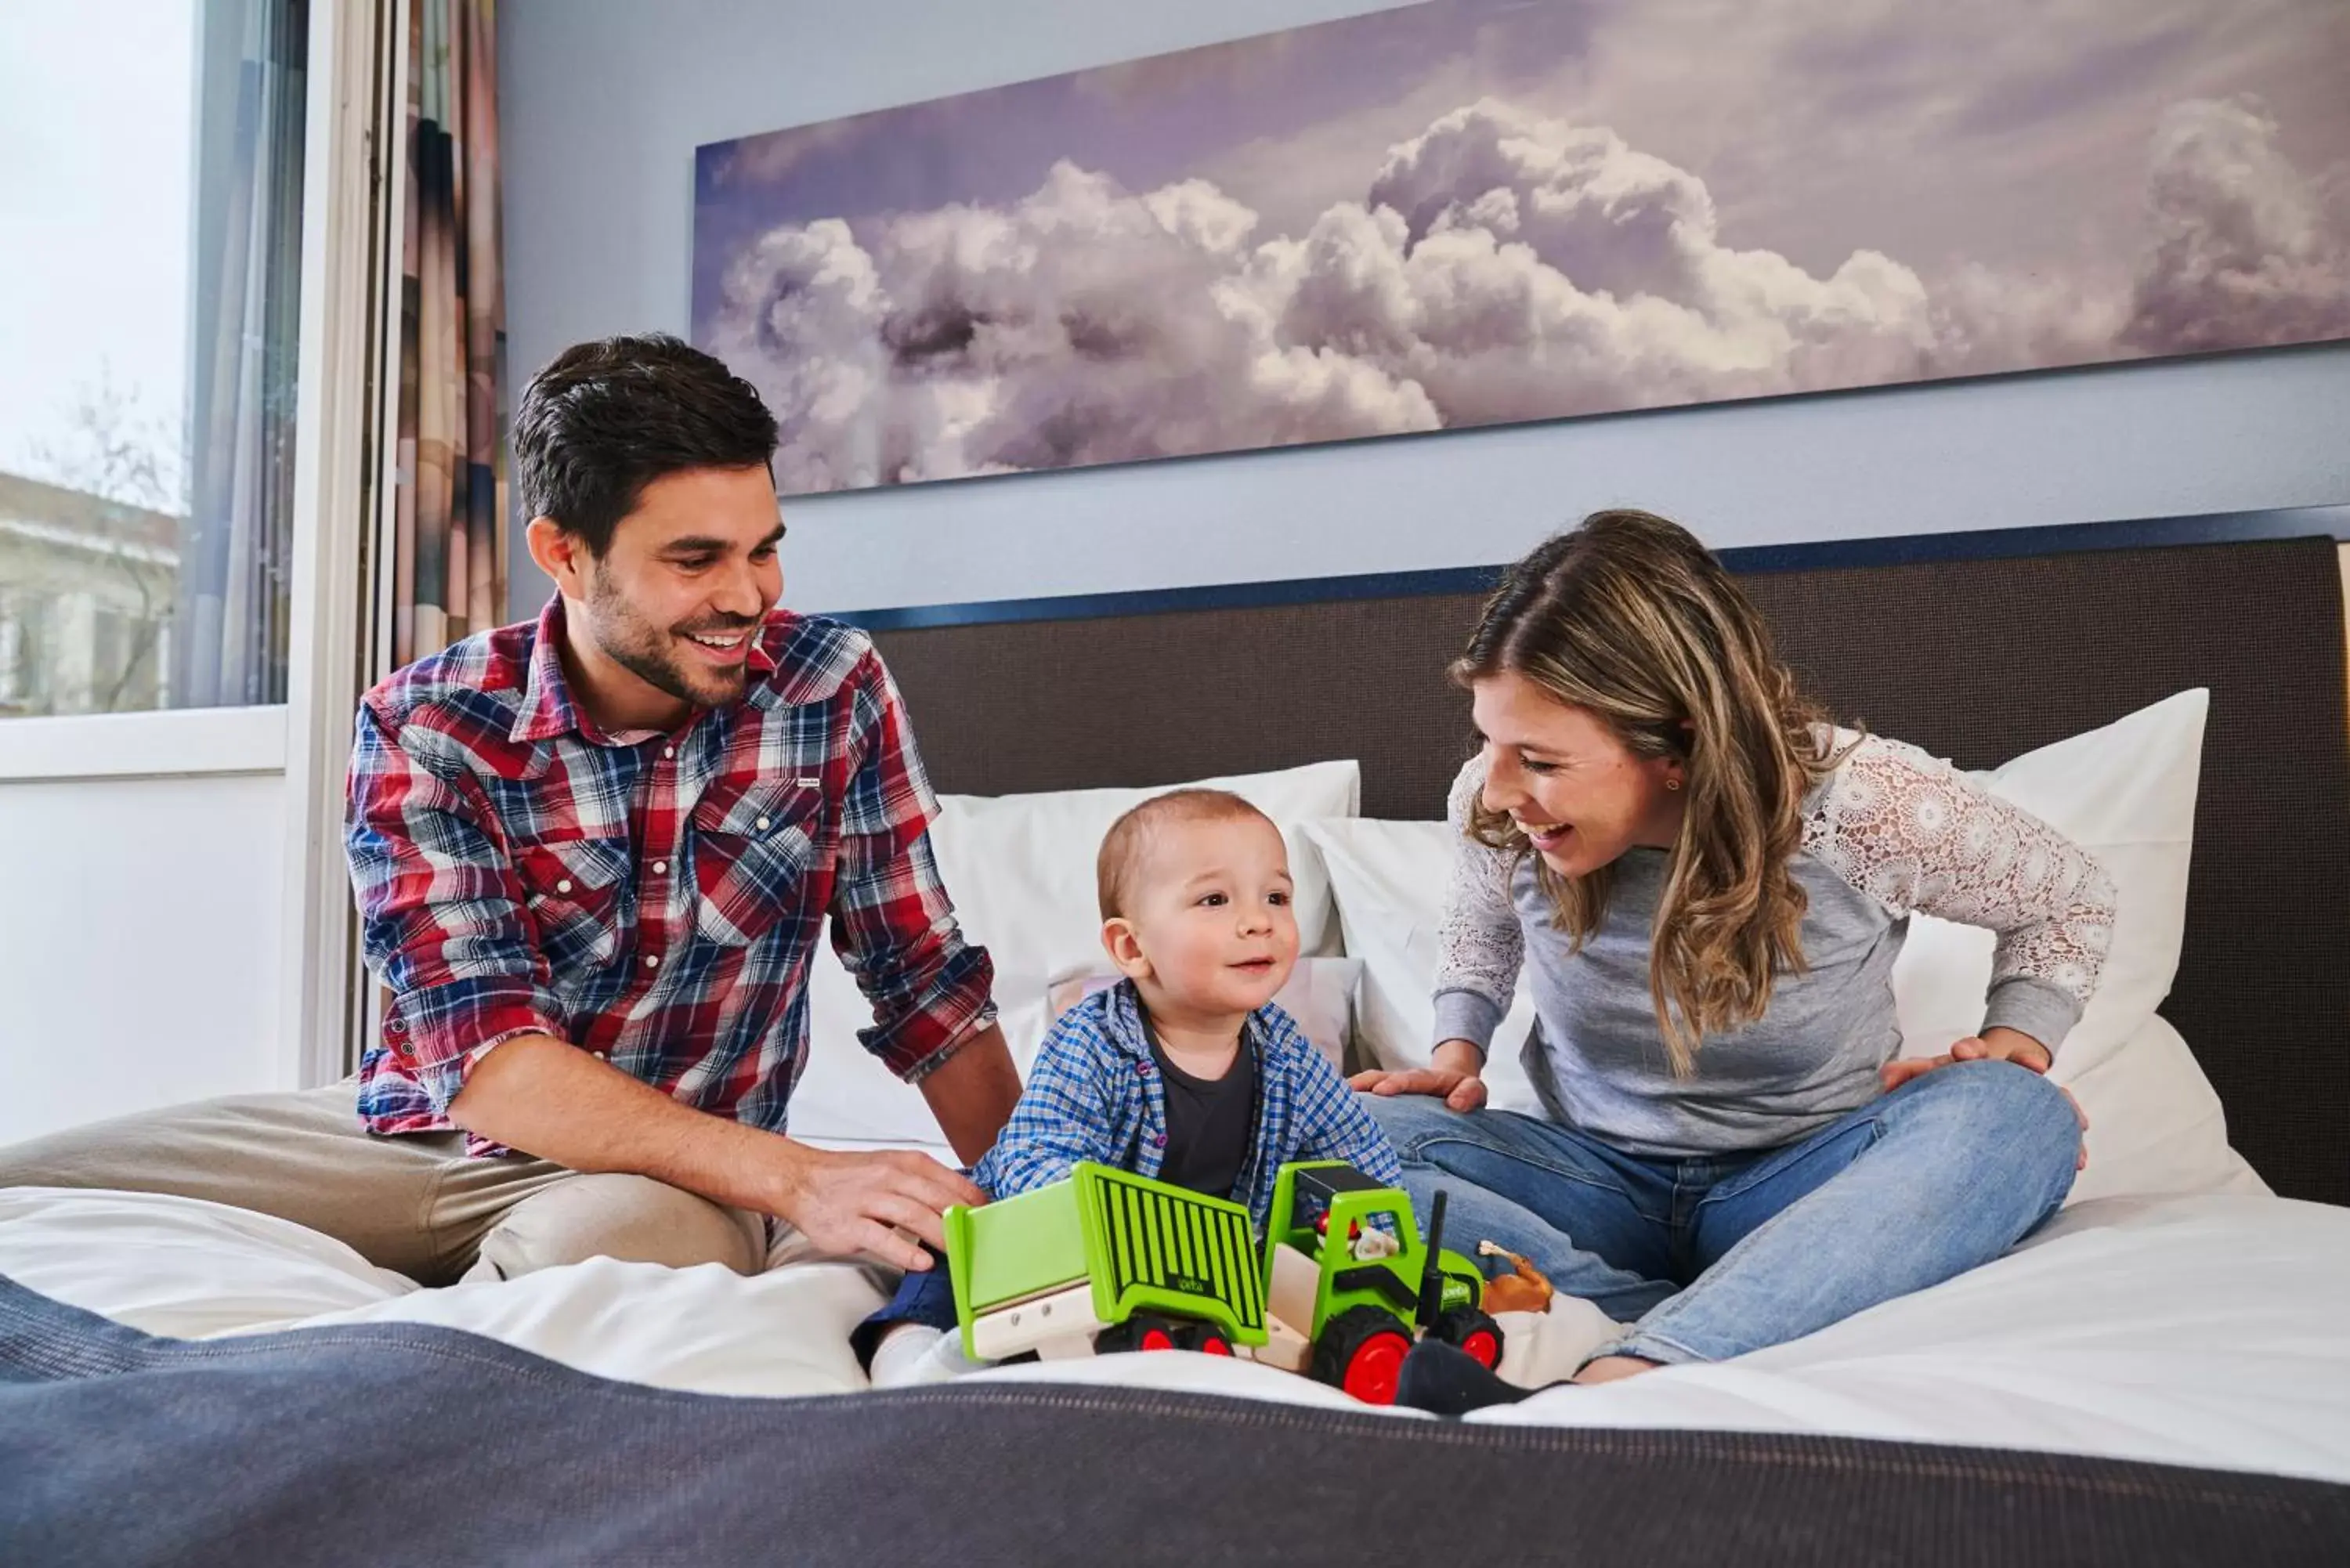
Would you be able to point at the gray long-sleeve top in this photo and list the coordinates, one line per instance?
(1889, 832)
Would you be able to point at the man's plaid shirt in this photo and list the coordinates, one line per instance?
(652, 898)
(1095, 1093)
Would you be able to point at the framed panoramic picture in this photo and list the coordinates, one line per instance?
(1475, 211)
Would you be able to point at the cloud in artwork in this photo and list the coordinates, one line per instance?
(1499, 266)
(1519, 268)
(1080, 325)
(2241, 250)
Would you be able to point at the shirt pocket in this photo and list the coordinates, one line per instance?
(577, 894)
(753, 858)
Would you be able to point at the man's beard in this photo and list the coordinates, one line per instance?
(632, 643)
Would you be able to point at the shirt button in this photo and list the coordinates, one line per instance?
(652, 960)
(563, 886)
(763, 824)
(669, 750)
(661, 867)
(1159, 1140)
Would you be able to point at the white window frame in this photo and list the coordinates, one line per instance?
(172, 743)
(347, 378)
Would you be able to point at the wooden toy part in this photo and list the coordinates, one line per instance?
(1283, 1348)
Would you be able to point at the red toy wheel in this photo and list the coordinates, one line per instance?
(1206, 1338)
(1139, 1333)
(1372, 1371)
(1475, 1333)
(1361, 1350)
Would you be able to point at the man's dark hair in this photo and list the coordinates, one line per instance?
(606, 418)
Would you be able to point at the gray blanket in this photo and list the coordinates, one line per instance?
(406, 1444)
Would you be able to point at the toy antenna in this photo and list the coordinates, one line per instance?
(1431, 1278)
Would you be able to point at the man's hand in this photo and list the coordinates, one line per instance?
(1451, 1075)
(537, 1093)
(862, 1202)
(1991, 1045)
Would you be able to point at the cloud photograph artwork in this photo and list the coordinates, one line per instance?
(1468, 212)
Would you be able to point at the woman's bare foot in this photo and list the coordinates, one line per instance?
(1613, 1368)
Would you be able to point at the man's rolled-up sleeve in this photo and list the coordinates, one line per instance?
(441, 913)
(892, 923)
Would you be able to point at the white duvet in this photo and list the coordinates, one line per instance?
(2206, 1331)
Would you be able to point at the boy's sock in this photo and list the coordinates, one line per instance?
(911, 1355)
(1446, 1380)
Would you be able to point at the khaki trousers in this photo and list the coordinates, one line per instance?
(414, 1204)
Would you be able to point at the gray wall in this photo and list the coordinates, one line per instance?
(604, 100)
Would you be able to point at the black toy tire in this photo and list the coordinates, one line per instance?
(1139, 1332)
(1204, 1337)
(1460, 1325)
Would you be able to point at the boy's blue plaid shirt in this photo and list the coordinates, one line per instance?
(1095, 1093)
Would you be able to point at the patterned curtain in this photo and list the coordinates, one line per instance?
(449, 553)
(229, 620)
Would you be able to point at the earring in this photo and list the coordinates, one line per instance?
(1672, 784)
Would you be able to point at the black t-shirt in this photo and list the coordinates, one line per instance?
(1211, 1123)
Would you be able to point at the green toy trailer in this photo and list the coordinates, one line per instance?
(1111, 1260)
(1105, 1253)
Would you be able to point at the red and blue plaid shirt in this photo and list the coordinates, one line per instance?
(651, 899)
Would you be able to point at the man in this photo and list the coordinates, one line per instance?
(592, 856)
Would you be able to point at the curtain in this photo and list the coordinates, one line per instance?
(229, 610)
(449, 544)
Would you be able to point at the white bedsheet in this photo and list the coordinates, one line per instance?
(2211, 1331)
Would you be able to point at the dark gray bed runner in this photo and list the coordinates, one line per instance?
(409, 1444)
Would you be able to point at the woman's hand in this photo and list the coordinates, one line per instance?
(1991, 1045)
(1450, 1076)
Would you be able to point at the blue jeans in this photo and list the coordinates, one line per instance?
(1714, 1257)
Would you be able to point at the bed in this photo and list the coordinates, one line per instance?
(2162, 1376)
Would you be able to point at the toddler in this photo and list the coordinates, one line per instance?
(1184, 1069)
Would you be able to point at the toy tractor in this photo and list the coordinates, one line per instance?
(1347, 1271)
(1107, 1261)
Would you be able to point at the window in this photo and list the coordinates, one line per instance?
(23, 689)
(150, 264)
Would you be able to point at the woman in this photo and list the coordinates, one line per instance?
(1708, 885)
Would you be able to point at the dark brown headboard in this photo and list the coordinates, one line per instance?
(1976, 660)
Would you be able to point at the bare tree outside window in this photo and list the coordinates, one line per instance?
(89, 561)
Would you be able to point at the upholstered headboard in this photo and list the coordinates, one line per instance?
(1976, 657)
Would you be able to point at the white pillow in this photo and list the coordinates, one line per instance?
(1390, 880)
(2126, 795)
(2126, 792)
(1319, 995)
(1020, 869)
(2156, 1126)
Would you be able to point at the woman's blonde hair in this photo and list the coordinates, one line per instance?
(1630, 619)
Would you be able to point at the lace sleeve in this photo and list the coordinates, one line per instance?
(1915, 834)
(1479, 943)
